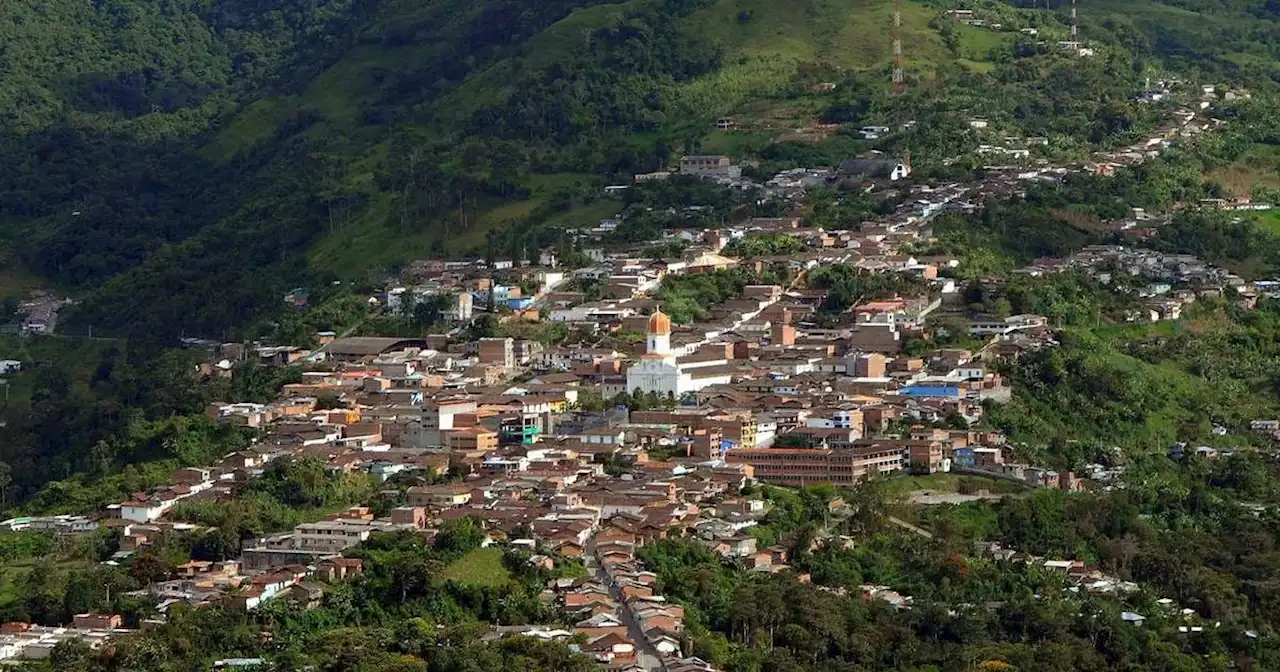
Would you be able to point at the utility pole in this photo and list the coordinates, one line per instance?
(899, 78)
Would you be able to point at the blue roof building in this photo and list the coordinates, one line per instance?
(930, 392)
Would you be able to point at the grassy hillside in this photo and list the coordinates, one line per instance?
(763, 44)
(760, 61)
(1148, 386)
(220, 154)
(1260, 166)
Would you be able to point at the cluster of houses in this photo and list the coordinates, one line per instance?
(38, 314)
(1079, 576)
(626, 624)
(1173, 281)
(527, 464)
(1076, 572)
(25, 641)
(791, 184)
(638, 426)
(1186, 123)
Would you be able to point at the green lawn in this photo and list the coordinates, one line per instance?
(1269, 221)
(976, 43)
(13, 574)
(251, 125)
(481, 567)
(903, 483)
(848, 34)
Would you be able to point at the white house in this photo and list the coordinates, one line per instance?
(144, 511)
(666, 644)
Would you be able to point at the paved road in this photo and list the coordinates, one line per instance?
(646, 655)
(931, 497)
(911, 528)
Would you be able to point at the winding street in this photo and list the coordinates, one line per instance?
(646, 656)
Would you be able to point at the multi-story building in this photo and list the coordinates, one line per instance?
(739, 427)
(925, 455)
(837, 418)
(438, 418)
(705, 165)
(805, 466)
(472, 439)
(463, 307)
(500, 351)
(876, 337)
(988, 326)
(330, 536)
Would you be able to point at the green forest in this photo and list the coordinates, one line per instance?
(189, 162)
(1179, 536)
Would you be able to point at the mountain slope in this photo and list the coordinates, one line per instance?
(231, 150)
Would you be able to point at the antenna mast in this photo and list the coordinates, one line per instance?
(1075, 28)
(899, 79)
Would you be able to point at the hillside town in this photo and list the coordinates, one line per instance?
(638, 426)
(582, 452)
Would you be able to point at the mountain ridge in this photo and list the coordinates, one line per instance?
(362, 134)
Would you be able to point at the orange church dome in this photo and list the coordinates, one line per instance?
(659, 324)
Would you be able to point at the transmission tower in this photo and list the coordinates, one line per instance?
(1075, 27)
(899, 78)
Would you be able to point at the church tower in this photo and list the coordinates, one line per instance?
(659, 338)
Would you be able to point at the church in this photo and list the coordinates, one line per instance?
(660, 371)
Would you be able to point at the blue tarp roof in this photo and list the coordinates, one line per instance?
(928, 391)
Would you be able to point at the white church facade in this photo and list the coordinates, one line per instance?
(659, 370)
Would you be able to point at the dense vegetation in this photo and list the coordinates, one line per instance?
(1182, 530)
(212, 148)
(1144, 388)
(688, 298)
(111, 414)
(970, 612)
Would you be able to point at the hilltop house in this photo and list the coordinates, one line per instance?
(875, 166)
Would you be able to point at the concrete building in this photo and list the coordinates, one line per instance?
(869, 366)
(472, 439)
(464, 306)
(705, 165)
(876, 337)
(806, 466)
(500, 351)
(659, 371)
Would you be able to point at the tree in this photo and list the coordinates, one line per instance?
(6, 477)
(792, 441)
(431, 310)
(459, 536)
(9, 309)
(328, 400)
(149, 567)
(73, 655)
(216, 545)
